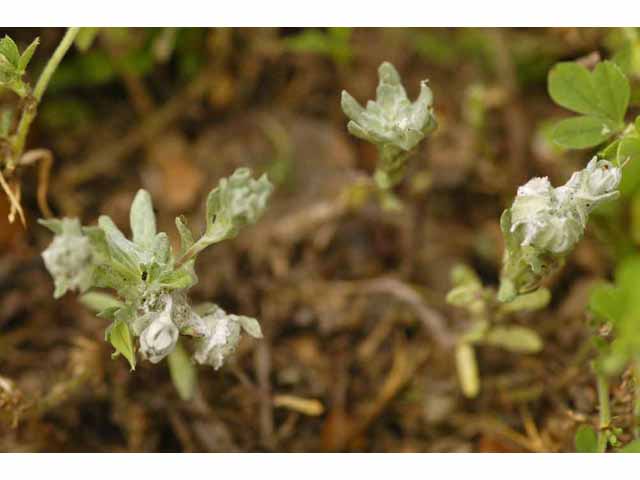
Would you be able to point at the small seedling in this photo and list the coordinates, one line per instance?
(13, 65)
(392, 123)
(615, 308)
(151, 282)
(14, 126)
(487, 324)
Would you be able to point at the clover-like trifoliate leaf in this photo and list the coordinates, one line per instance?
(601, 96)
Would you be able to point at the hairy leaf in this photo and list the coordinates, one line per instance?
(120, 337)
(183, 372)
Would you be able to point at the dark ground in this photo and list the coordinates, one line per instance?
(346, 293)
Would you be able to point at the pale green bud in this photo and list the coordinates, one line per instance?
(160, 336)
(237, 201)
(544, 223)
(222, 336)
(68, 258)
(392, 122)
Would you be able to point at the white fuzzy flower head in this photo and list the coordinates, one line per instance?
(237, 201)
(544, 223)
(68, 258)
(159, 337)
(391, 120)
(554, 219)
(222, 336)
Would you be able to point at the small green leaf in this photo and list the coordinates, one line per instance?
(313, 41)
(528, 301)
(161, 248)
(633, 447)
(120, 337)
(464, 295)
(110, 313)
(143, 220)
(25, 58)
(121, 249)
(627, 275)
(582, 132)
(607, 302)
(612, 89)
(251, 326)
(634, 217)
(9, 50)
(98, 301)
(586, 440)
(6, 120)
(186, 237)
(177, 279)
(86, 37)
(571, 86)
(183, 372)
(53, 224)
(629, 150)
(515, 339)
(462, 274)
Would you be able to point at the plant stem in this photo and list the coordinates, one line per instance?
(29, 113)
(636, 397)
(605, 411)
(215, 234)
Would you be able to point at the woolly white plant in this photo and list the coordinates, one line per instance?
(150, 280)
(544, 224)
(392, 122)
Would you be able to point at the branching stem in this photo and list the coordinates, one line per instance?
(29, 112)
(605, 411)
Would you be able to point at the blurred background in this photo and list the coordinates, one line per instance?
(346, 292)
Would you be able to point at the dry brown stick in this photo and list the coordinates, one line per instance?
(181, 430)
(404, 366)
(431, 319)
(263, 370)
(14, 200)
(492, 426)
(45, 157)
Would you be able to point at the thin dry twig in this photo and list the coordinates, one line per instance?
(14, 200)
(431, 319)
(263, 371)
(45, 159)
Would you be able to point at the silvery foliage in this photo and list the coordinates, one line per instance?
(544, 223)
(394, 124)
(69, 257)
(222, 334)
(151, 282)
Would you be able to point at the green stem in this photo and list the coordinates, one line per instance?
(29, 112)
(636, 397)
(215, 234)
(605, 411)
